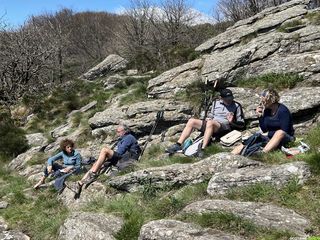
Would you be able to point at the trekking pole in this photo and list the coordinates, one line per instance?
(158, 118)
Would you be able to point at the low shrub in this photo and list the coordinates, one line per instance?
(13, 140)
(277, 81)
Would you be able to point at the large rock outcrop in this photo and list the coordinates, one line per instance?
(266, 215)
(300, 101)
(278, 176)
(252, 47)
(175, 80)
(8, 234)
(140, 116)
(95, 192)
(173, 230)
(90, 226)
(111, 64)
(181, 174)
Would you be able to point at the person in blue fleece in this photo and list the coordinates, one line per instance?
(71, 161)
(127, 147)
(275, 120)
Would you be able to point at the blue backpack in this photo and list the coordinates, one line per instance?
(253, 144)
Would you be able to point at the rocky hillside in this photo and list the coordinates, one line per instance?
(183, 198)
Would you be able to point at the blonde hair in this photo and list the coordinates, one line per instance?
(271, 96)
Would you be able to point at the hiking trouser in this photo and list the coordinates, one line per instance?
(55, 167)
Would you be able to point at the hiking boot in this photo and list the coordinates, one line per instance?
(174, 148)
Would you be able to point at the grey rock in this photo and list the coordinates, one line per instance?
(181, 174)
(300, 100)
(30, 171)
(60, 131)
(167, 229)
(262, 214)
(13, 235)
(3, 204)
(84, 108)
(253, 47)
(90, 226)
(141, 116)
(21, 160)
(175, 80)
(3, 225)
(62, 134)
(131, 72)
(94, 192)
(113, 63)
(37, 139)
(111, 81)
(265, 20)
(278, 176)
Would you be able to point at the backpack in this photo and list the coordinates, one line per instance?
(254, 144)
(191, 148)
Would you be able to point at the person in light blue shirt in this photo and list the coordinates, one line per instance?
(71, 161)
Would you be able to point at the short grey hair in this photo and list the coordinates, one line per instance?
(125, 127)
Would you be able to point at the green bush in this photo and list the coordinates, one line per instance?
(277, 81)
(13, 140)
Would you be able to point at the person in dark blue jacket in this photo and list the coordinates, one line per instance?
(127, 147)
(71, 161)
(275, 120)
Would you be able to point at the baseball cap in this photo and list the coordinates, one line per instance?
(226, 93)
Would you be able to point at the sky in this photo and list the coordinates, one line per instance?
(16, 12)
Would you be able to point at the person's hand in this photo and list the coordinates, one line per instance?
(230, 116)
(49, 168)
(259, 111)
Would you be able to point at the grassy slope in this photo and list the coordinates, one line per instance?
(40, 215)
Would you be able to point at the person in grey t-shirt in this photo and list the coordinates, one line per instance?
(225, 115)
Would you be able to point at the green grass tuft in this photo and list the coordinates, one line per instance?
(277, 81)
(284, 28)
(228, 222)
(137, 208)
(314, 18)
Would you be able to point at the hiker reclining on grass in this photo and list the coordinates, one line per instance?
(71, 161)
(274, 119)
(127, 147)
(225, 115)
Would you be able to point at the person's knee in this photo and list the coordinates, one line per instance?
(212, 124)
(191, 122)
(280, 134)
(106, 151)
